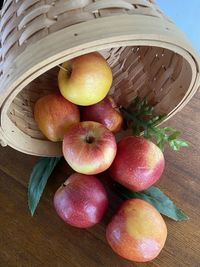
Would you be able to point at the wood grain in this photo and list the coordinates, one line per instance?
(45, 240)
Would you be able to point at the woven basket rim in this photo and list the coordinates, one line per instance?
(130, 37)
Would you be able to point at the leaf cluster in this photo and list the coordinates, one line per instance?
(141, 118)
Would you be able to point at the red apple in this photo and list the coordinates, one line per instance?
(104, 112)
(81, 201)
(89, 147)
(54, 115)
(85, 80)
(139, 163)
(137, 232)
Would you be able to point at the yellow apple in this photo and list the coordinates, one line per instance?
(85, 80)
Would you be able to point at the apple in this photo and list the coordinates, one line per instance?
(81, 201)
(85, 80)
(137, 232)
(104, 112)
(54, 115)
(139, 163)
(89, 147)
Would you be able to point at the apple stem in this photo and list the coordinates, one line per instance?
(65, 69)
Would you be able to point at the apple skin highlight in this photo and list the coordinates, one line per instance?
(54, 115)
(89, 147)
(137, 231)
(139, 163)
(87, 80)
(81, 201)
(104, 112)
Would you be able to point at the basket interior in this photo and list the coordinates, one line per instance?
(159, 74)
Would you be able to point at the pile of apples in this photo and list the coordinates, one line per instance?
(85, 119)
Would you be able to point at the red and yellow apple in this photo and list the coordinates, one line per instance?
(85, 80)
(89, 147)
(81, 201)
(137, 231)
(139, 163)
(54, 115)
(104, 112)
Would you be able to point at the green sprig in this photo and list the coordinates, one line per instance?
(141, 118)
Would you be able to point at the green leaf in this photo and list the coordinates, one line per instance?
(158, 199)
(38, 179)
(178, 143)
(161, 145)
(174, 135)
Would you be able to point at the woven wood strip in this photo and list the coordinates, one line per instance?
(96, 6)
(27, 21)
(25, 5)
(33, 14)
(70, 18)
(10, 27)
(65, 6)
(6, 6)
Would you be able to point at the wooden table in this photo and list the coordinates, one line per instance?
(46, 241)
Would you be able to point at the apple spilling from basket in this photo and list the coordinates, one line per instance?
(86, 119)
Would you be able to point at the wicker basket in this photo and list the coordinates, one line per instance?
(148, 54)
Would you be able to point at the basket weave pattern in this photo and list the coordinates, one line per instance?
(25, 22)
(149, 56)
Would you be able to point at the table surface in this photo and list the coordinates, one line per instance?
(46, 241)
